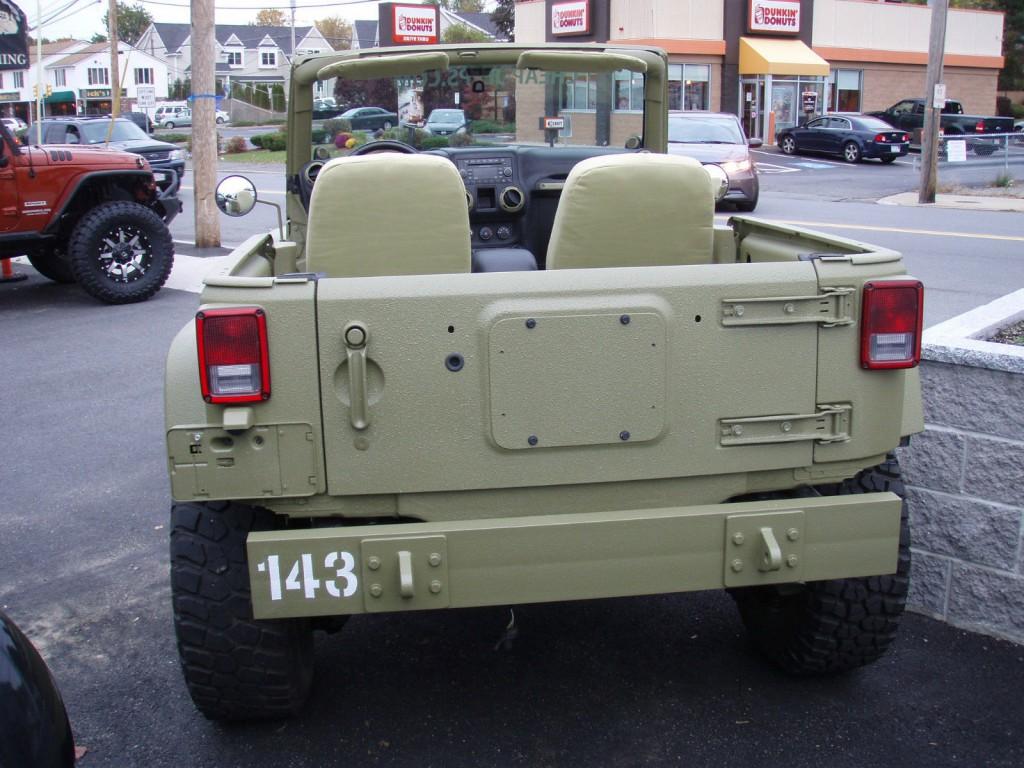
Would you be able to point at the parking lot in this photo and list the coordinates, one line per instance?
(648, 681)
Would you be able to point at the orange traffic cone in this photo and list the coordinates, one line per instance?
(8, 275)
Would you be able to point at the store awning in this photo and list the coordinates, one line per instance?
(765, 56)
(60, 97)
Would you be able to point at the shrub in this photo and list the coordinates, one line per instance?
(336, 125)
(492, 126)
(461, 140)
(434, 142)
(174, 138)
(1017, 110)
(235, 145)
(274, 142)
(319, 136)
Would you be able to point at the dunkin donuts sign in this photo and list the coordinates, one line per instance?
(571, 18)
(778, 16)
(415, 24)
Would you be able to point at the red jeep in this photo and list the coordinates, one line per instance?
(88, 215)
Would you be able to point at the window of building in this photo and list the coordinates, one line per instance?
(689, 86)
(579, 92)
(1, 79)
(628, 91)
(60, 77)
(234, 58)
(98, 76)
(268, 58)
(847, 89)
(19, 79)
(144, 76)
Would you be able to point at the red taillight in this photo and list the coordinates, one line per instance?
(880, 137)
(906, 137)
(890, 332)
(234, 362)
(980, 126)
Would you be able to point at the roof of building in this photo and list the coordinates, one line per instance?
(249, 35)
(52, 49)
(480, 21)
(365, 33)
(90, 51)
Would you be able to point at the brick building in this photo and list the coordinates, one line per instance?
(757, 58)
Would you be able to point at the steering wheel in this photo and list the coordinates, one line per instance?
(384, 145)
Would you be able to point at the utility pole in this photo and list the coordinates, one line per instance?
(39, 72)
(932, 115)
(204, 125)
(115, 63)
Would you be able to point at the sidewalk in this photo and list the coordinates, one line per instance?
(967, 202)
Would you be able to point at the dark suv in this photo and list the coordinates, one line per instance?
(125, 135)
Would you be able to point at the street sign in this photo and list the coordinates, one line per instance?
(939, 98)
(145, 96)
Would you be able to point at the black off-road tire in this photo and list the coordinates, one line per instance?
(115, 276)
(828, 627)
(52, 264)
(235, 667)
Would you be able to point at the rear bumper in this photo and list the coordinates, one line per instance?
(420, 566)
(885, 150)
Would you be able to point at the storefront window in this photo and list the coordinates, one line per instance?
(689, 86)
(628, 91)
(847, 90)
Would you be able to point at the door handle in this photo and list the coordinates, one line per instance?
(356, 337)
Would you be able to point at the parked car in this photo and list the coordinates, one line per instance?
(169, 109)
(1018, 128)
(15, 124)
(369, 118)
(125, 135)
(445, 122)
(179, 119)
(141, 119)
(851, 137)
(716, 138)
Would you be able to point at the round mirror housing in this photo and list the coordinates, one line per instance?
(321, 153)
(235, 195)
(719, 181)
(633, 142)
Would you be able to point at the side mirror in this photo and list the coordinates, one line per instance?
(718, 179)
(755, 143)
(633, 142)
(235, 195)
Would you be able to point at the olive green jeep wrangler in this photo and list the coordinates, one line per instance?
(525, 367)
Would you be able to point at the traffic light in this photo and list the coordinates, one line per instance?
(49, 91)
(35, 90)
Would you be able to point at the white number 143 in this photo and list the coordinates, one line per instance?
(300, 578)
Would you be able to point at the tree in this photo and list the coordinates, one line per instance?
(336, 31)
(504, 18)
(270, 17)
(132, 21)
(459, 6)
(461, 33)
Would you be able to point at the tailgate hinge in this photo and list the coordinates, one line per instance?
(830, 308)
(831, 424)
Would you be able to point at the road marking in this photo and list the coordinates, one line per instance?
(771, 168)
(899, 230)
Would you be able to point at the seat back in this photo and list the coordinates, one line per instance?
(633, 210)
(387, 213)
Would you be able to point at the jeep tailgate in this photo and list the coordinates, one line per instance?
(471, 381)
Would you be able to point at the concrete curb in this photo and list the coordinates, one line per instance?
(964, 202)
(962, 340)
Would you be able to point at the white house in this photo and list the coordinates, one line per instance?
(252, 55)
(78, 76)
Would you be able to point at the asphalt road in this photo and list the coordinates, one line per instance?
(651, 681)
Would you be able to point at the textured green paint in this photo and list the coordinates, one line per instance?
(570, 557)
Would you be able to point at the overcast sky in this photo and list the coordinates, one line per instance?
(83, 18)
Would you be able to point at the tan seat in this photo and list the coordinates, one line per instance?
(388, 214)
(633, 210)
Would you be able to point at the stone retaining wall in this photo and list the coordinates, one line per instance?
(965, 476)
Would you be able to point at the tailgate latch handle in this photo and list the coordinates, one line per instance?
(356, 337)
(771, 552)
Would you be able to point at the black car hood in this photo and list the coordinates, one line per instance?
(142, 145)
